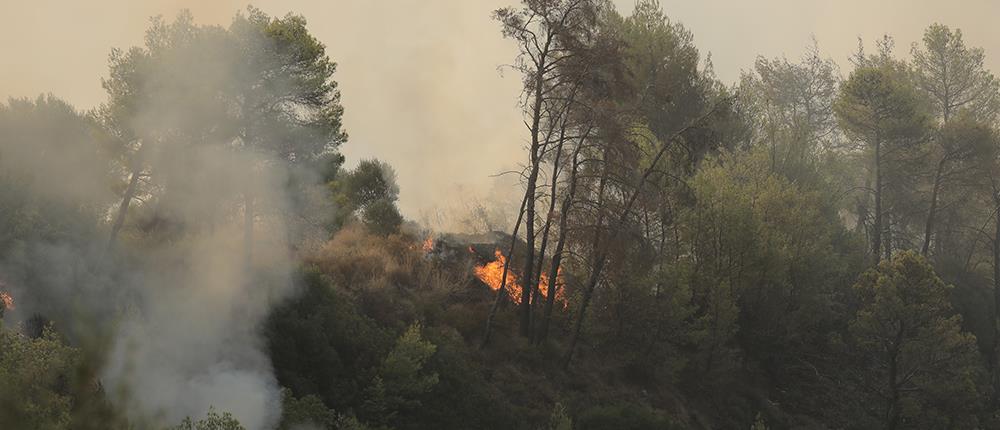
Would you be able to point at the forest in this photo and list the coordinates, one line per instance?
(805, 248)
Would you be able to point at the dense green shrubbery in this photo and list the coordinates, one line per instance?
(625, 416)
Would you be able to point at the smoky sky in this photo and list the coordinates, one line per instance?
(420, 79)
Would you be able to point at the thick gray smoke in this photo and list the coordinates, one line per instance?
(193, 340)
(180, 295)
(184, 312)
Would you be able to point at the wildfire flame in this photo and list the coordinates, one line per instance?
(7, 300)
(492, 275)
(428, 245)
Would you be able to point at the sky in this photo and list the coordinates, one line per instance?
(421, 80)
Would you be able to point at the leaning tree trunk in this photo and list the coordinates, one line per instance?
(130, 190)
(502, 291)
(601, 252)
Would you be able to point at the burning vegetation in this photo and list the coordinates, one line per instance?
(7, 300)
(740, 256)
(491, 274)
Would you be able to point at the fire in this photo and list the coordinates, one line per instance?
(492, 275)
(428, 244)
(7, 299)
(543, 287)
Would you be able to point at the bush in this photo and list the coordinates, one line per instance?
(321, 345)
(624, 416)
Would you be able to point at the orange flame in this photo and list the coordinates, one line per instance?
(543, 287)
(7, 300)
(492, 275)
(428, 245)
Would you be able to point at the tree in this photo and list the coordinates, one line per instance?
(401, 379)
(164, 98)
(369, 190)
(954, 76)
(994, 350)
(546, 31)
(882, 112)
(48, 135)
(382, 217)
(666, 86)
(911, 364)
(959, 154)
(262, 87)
(287, 103)
(792, 105)
(650, 102)
(32, 371)
(955, 79)
(305, 411)
(370, 181)
(212, 421)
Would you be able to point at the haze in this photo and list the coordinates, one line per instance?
(420, 79)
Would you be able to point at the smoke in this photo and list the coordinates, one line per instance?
(192, 342)
(180, 298)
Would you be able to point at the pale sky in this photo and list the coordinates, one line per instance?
(419, 78)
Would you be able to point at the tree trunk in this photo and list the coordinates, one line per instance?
(600, 256)
(248, 219)
(527, 276)
(602, 253)
(892, 413)
(929, 226)
(543, 328)
(502, 291)
(530, 187)
(877, 223)
(133, 183)
(536, 286)
(995, 359)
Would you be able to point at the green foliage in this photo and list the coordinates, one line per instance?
(726, 300)
(790, 107)
(401, 380)
(954, 76)
(625, 416)
(382, 217)
(307, 410)
(369, 190)
(320, 345)
(467, 395)
(371, 181)
(212, 421)
(560, 420)
(912, 366)
(48, 384)
(35, 375)
(878, 103)
(766, 248)
(662, 63)
(49, 135)
(261, 89)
